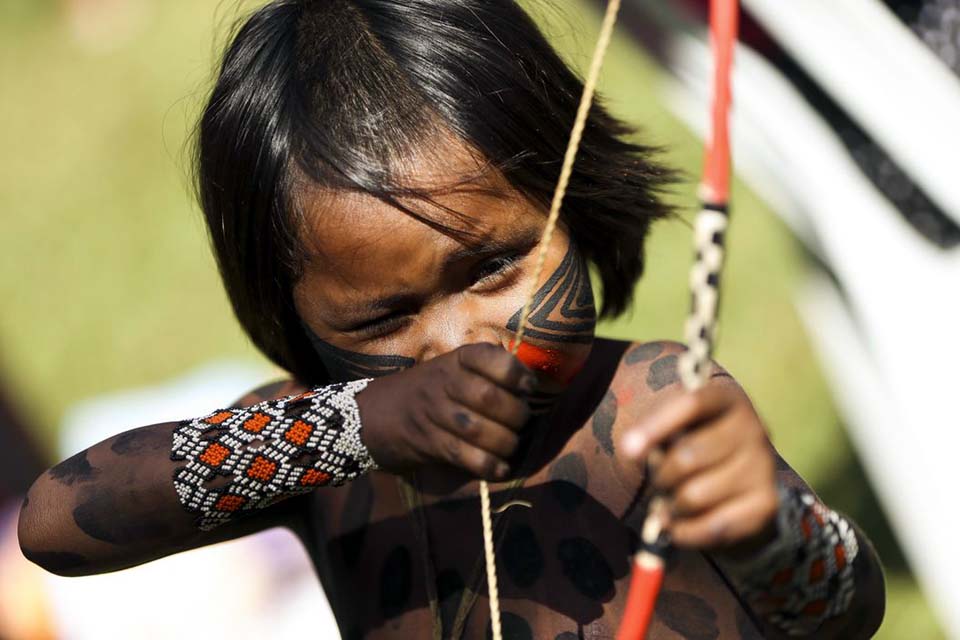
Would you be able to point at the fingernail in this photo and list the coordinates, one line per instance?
(502, 470)
(634, 443)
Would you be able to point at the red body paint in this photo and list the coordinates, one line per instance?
(551, 362)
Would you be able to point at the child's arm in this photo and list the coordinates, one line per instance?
(169, 487)
(801, 568)
(113, 505)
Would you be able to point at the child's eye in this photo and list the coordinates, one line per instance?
(382, 326)
(495, 269)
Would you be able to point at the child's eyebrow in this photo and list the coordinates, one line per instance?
(524, 240)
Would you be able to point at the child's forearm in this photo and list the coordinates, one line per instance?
(160, 489)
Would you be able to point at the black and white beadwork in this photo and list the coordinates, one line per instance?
(270, 451)
(806, 575)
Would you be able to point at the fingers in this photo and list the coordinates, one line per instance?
(486, 398)
(695, 452)
(735, 520)
(497, 365)
(713, 487)
(478, 430)
(673, 417)
(474, 460)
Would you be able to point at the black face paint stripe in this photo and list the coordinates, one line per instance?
(569, 289)
(344, 366)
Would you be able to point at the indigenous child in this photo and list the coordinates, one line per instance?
(374, 175)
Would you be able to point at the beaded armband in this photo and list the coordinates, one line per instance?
(805, 575)
(268, 452)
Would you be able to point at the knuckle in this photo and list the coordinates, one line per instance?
(488, 394)
(451, 449)
(484, 465)
(508, 444)
(465, 355)
(690, 497)
(466, 424)
(685, 459)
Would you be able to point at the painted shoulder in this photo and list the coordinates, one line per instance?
(646, 376)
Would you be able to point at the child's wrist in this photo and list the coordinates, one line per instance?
(803, 574)
(270, 451)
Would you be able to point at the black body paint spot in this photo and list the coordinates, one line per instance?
(512, 627)
(568, 289)
(396, 582)
(74, 469)
(688, 615)
(102, 515)
(521, 556)
(449, 592)
(343, 365)
(568, 481)
(644, 352)
(663, 373)
(462, 419)
(584, 565)
(56, 561)
(141, 440)
(567, 635)
(746, 628)
(603, 419)
(354, 519)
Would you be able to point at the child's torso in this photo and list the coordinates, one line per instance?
(562, 562)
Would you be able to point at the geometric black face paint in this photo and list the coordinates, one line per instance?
(347, 366)
(568, 289)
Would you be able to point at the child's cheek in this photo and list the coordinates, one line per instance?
(556, 366)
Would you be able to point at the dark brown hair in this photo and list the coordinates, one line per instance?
(338, 90)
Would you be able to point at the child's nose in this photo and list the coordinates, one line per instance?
(449, 338)
(454, 328)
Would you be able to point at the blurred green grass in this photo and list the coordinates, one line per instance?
(109, 282)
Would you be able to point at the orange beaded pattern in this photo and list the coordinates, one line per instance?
(806, 575)
(256, 446)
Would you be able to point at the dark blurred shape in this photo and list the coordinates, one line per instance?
(21, 460)
(936, 22)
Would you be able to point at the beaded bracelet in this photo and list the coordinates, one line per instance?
(805, 575)
(270, 451)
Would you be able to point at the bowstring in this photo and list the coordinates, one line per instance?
(573, 144)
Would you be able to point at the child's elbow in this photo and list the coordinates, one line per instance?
(37, 535)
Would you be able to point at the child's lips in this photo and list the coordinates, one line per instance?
(553, 363)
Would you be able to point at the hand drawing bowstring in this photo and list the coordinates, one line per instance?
(709, 235)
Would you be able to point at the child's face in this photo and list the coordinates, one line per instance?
(381, 283)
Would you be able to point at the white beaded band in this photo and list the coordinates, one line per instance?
(805, 575)
(271, 450)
